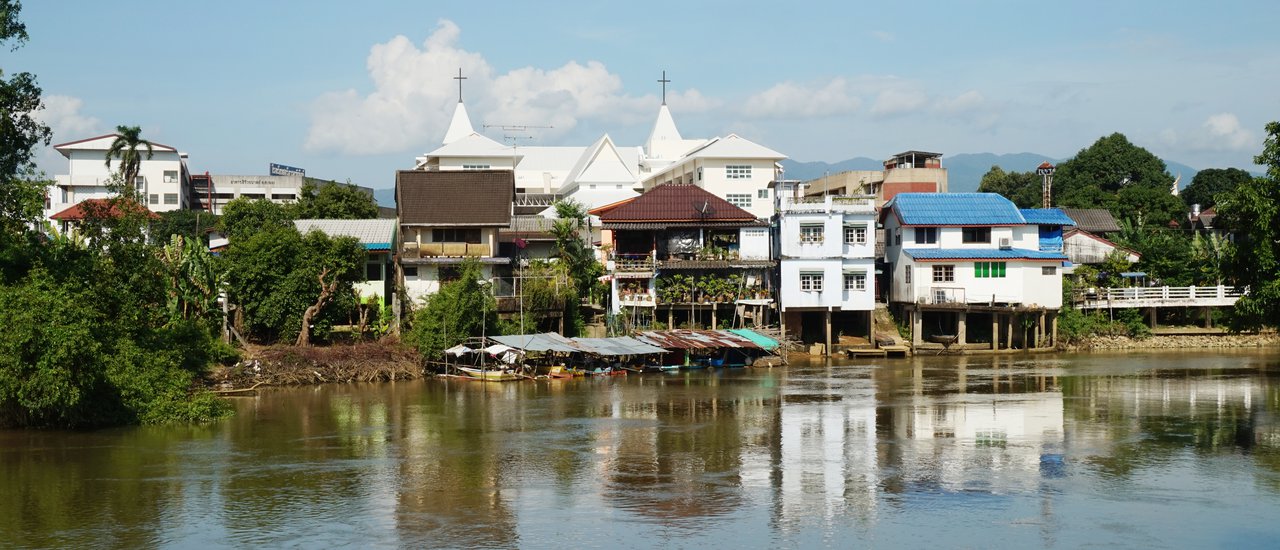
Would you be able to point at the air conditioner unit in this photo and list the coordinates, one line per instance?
(1004, 244)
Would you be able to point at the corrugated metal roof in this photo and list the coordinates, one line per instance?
(764, 341)
(373, 234)
(695, 339)
(1093, 220)
(621, 345)
(547, 341)
(1046, 216)
(980, 254)
(932, 209)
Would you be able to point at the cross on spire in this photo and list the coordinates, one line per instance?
(664, 82)
(459, 78)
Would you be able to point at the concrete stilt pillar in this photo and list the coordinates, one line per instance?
(671, 317)
(917, 335)
(871, 327)
(1008, 330)
(995, 331)
(714, 324)
(1208, 317)
(1042, 330)
(827, 316)
(1152, 316)
(1054, 323)
(782, 323)
(962, 321)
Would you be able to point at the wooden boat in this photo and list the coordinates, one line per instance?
(559, 372)
(490, 375)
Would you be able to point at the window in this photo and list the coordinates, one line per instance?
(373, 271)
(592, 186)
(855, 234)
(977, 234)
(1049, 270)
(171, 198)
(908, 275)
(741, 200)
(926, 235)
(410, 271)
(140, 182)
(283, 196)
(897, 237)
(475, 166)
(171, 176)
(154, 198)
(737, 171)
(456, 235)
(811, 282)
(762, 193)
(811, 233)
(987, 270)
(699, 173)
(855, 281)
(944, 273)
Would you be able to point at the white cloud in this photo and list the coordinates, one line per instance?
(413, 95)
(62, 114)
(897, 101)
(791, 100)
(1218, 133)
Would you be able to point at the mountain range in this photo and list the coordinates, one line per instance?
(964, 171)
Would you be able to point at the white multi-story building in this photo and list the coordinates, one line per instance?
(827, 261)
(732, 168)
(952, 255)
(161, 180)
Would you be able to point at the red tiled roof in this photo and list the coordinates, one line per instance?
(102, 208)
(677, 203)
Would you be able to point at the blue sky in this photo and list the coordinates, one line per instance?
(357, 89)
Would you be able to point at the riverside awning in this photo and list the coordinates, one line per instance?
(547, 341)
(621, 345)
(696, 339)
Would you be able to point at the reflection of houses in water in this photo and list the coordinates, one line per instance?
(845, 444)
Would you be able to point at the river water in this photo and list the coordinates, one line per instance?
(1138, 450)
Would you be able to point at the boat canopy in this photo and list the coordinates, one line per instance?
(622, 345)
(760, 339)
(550, 341)
(547, 341)
(699, 339)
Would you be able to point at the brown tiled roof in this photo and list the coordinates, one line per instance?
(455, 198)
(1093, 220)
(102, 208)
(677, 203)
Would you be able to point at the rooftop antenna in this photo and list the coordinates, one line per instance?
(664, 82)
(459, 78)
(513, 133)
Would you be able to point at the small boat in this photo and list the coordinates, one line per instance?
(559, 372)
(490, 375)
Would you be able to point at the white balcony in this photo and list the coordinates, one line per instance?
(838, 204)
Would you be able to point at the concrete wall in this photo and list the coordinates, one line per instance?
(1023, 283)
(427, 282)
(753, 243)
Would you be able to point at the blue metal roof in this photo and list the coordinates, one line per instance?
(956, 209)
(980, 254)
(1046, 216)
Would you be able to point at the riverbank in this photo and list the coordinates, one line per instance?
(284, 365)
(1179, 341)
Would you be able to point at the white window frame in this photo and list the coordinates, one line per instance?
(737, 171)
(174, 196)
(855, 234)
(740, 200)
(855, 281)
(762, 193)
(171, 176)
(811, 281)
(944, 273)
(812, 233)
(477, 166)
(926, 235)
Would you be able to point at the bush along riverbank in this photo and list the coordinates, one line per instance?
(1177, 341)
(283, 365)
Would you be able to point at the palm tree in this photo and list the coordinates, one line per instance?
(125, 148)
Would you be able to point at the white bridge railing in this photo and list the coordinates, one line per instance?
(1160, 296)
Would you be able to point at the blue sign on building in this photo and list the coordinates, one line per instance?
(282, 170)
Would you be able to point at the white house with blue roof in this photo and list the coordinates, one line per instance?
(952, 252)
(377, 237)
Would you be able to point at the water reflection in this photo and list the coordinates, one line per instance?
(1042, 451)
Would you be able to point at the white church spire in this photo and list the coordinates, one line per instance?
(664, 136)
(460, 126)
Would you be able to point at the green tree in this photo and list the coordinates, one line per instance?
(1023, 188)
(190, 224)
(21, 190)
(329, 200)
(463, 308)
(193, 279)
(244, 216)
(1211, 182)
(1251, 212)
(1121, 177)
(126, 149)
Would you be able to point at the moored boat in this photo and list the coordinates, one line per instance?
(490, 375)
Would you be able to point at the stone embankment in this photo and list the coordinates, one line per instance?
(1174, 341)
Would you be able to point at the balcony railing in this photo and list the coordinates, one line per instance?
(851, 204)
(446, 250)
(944, 295)
(641, 299)
(633, 263)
